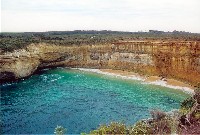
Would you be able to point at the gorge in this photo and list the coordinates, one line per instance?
(173, 59)
(40, 81)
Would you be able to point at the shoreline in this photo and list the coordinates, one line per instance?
(155, 80)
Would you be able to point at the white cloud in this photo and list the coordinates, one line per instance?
(128, 15)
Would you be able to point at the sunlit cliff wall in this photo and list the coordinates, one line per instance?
(176, 59)
(179, 60)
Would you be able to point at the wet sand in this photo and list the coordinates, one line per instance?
(171, 83)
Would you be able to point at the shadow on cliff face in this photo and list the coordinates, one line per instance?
(7, 76)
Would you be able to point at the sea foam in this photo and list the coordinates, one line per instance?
(139, 78)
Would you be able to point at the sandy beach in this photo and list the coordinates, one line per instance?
(155, 80)
(168, 81)
(171, 83)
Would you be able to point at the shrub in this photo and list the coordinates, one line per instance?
(112, 128)
(197, 95)
(157, 114)
(173, 120)
(161, 127)
(186, 105)
(59, 130)
(139, 128)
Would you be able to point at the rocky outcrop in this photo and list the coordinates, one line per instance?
(22, 63)
(174, 59)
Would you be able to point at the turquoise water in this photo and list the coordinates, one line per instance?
(79, 101)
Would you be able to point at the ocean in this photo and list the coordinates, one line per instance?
(79, 101)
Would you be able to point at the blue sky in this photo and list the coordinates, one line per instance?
(123, 15)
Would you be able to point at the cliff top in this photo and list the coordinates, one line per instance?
(13, 41)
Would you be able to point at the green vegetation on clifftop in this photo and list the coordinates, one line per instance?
(12, 41)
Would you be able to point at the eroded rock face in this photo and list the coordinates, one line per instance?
(23, 63)
(175, 59)
(144, 59)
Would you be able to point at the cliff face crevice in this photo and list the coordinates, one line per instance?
(179, 60)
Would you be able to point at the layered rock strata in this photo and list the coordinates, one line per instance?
(176, 59)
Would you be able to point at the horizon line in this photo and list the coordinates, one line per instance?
(142, 31)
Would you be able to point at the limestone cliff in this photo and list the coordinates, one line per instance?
(177, 59)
